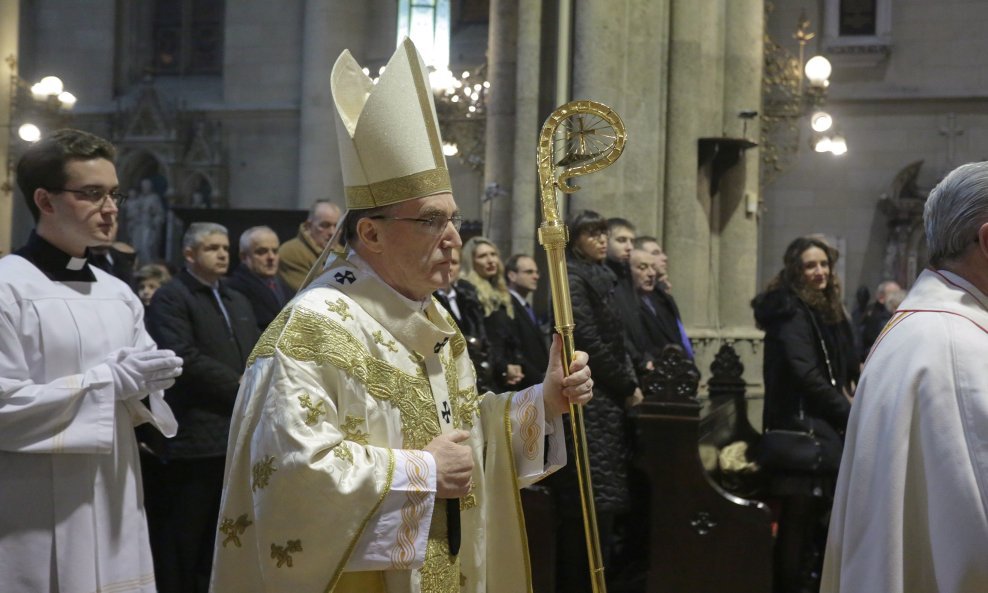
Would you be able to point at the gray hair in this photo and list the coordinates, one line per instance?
(315, 206)
(198, 231)
(955, 210)
(247, 237)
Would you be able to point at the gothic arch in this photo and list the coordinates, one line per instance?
(136, 164)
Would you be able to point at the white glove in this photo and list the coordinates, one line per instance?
(137, 373)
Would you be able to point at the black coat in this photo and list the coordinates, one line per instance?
(265, 302)
(471, 324)
(520, 341)
(600, 334)
(625, 304)
(185, 317)
(795, 363)
(651, 331)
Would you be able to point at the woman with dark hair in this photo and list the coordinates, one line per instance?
(809, 370)
(600, 334)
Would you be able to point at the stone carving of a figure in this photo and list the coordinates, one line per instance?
(145, 222)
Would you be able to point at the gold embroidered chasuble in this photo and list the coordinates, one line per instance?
(326, 487)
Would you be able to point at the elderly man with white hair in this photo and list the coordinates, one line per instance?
(911, 509)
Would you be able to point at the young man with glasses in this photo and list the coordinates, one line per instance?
(361, 456)
(75, 363)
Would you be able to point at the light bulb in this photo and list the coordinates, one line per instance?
(29, 133)
(818, 71)
(821, 121)
(450, 149)
(823, 144)
(67, 99)
(838, 145)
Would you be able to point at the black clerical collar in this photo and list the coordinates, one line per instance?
(55, 263)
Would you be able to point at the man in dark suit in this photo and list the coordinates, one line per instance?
(461, 300)
(213, 329)
(659, 321)
(520, 339)
(257, 275)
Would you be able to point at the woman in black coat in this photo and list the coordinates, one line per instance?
(810, 371)
(600, 334)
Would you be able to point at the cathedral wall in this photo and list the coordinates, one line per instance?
(925, 101)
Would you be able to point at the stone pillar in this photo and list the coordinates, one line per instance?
(620, 59)
(319, 175)
(524, 188)
(499, 154)
(9, 28)
(739, 225)
(367, 29)
(694, 112)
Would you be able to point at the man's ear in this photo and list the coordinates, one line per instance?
(189, 253)
(983, 240)
(511, 277)
(42, 199)
(369, 235)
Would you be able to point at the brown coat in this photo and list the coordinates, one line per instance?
(295, 257)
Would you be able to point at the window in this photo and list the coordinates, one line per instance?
(426, 23)
(858, 32)
(857, 17)
(187, 37)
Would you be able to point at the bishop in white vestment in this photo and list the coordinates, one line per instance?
(361, 457)
(910, 513)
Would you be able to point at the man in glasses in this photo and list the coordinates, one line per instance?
(75, 363)
(361, 456)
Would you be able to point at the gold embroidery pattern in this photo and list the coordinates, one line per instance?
(465, 402)
(313, 411)
(379, 339)
(527, 416)
(351, 430)
(389, 191)
(261, 473)
(283, 554)
(342, 451)
(341, 308)
(468, 502)
(516, 489)
(441, 571)
(457, 343)
(234, 529)
(416, 499)
(269, 339)
(310, 337)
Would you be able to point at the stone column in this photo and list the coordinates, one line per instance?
(367, 29)
(739, 234)
(499, 154)
(694, 108)
(319, 174)
(620, 59)
(9, 27)
(524, 188)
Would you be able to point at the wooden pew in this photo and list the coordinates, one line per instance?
(702, 539)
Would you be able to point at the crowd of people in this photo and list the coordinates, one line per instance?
(194, 429)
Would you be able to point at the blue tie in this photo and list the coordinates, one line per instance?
(531, 313)
(684, 339)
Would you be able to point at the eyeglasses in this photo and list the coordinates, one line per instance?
(95, 195)
(434, 224)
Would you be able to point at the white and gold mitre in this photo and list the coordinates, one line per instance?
(388, 133)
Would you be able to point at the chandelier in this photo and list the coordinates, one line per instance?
(461, 104)
(793, 90)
